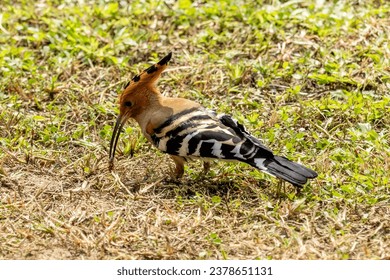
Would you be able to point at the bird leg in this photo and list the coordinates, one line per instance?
(206, 167)
(179, 170)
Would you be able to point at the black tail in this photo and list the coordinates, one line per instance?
(285, 169)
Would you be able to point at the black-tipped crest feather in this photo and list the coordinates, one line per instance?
(153, 69)
(165, 60)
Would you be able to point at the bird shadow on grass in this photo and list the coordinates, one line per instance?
(224, 187)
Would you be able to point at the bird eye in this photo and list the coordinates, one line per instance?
(128, 104)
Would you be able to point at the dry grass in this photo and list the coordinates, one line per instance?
(59, 201)
(55, 213)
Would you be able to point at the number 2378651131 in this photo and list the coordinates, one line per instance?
(230, 270)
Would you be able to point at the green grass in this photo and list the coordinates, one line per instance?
(310, 79)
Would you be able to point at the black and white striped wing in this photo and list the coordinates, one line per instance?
(199, 132)
(239, 129)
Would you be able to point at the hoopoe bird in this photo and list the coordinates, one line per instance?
(185, 130)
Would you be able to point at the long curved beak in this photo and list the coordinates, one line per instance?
(120, 122)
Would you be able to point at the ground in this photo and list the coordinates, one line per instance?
(310, 78)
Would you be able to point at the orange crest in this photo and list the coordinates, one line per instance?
(151, 74)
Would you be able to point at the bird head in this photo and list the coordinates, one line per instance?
(135, 98)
